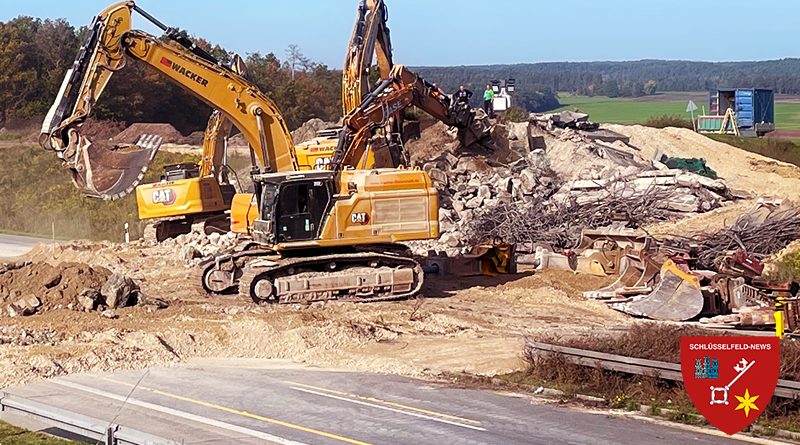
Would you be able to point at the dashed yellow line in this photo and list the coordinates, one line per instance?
(240, 413)
(386, 402)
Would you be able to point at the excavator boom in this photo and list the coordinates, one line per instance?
(370, 39)
(400, 90)
(112, 173)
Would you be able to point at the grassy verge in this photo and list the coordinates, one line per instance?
(786, 150)
(38, 193)
(629, 392)
(628, 110)
(11, 435)
(43, 236)
(621, 110)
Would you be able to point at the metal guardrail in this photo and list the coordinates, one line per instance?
(78, 424)
(787, 389)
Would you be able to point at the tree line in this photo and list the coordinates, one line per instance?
(625, 79)
(35, 55)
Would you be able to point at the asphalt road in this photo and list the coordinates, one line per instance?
(256, 402)
(15, 245)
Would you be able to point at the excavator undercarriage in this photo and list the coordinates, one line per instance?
(267, 277)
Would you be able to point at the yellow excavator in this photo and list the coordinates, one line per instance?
(399, 91)
(113, 172)
(370, 38)
(369, 42)
(329, 234)
(378, 135)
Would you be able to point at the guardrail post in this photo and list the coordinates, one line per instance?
(110, 434)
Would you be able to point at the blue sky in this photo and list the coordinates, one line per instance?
(467, 32)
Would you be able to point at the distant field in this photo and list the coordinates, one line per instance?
(637, 110)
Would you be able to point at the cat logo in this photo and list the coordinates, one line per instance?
(359, 218)
(164, 196)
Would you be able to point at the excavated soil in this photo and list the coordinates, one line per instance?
(433, 141)
(55, 287)
(474, 324)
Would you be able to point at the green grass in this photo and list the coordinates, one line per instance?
(621, 110)
(787, 116)
(37, 192)
(626, 110)
(11, 435)
(786, 150)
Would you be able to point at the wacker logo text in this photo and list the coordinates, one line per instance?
(184, 71)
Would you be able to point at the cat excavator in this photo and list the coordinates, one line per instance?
(113, 172)
(319, 235)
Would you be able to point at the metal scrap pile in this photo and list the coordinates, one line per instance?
(762, 232)
(718, 275)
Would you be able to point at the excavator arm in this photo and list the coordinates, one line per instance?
(110, 174)
(370, 39)
(215, 135)
(402, 89)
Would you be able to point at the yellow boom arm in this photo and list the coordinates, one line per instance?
(112, 174)
(370, 38)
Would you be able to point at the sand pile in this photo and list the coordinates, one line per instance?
(741, 169)
(309, 130)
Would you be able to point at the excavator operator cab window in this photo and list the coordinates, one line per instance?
(301, 209)
(180, 171)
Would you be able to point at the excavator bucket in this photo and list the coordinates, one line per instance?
(110, 173)
(677, 297)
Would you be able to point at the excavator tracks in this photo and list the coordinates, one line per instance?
(360, 276)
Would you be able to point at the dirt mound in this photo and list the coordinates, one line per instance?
(131, 134)
(100, 130)
(741, 169)
(779, 168)
(194, 138)
(237, 140)
(433, 141)
(54, 287)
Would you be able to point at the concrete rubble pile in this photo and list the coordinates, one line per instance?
(192, 248)
(546, 175)
(468, 185)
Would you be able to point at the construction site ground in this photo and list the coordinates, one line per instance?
(475, 325)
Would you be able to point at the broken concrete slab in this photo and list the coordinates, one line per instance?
(119, 291)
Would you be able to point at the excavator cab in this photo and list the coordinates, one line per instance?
(293, 207)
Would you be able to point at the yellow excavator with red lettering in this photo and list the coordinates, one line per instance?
(319, 235)
(113, 172)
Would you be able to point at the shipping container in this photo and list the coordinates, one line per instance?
(754, 109)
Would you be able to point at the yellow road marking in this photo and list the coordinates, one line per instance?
(241, 413)
(385, 402)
